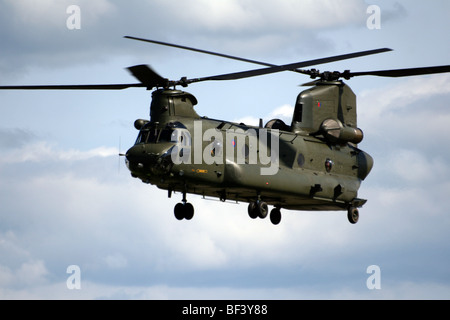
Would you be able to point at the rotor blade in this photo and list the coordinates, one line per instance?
(286, 67)
(201, 51)
(74, 87)
(148, 76)
(143, 73)
(403, 72)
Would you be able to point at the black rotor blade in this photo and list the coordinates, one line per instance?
(286, 67)
(403, 72)
(201, 51)
(148, 76)
(75, 87)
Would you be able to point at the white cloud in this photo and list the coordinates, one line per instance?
(251, 15)
(42, 151)
(415, 167)
(122, 230)
(116, 261)
(47, 14)
(29, 274)
(381, 102)
(398, 290)
(63, 206)
(283, 112)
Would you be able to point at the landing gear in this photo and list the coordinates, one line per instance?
(260, 209)
(353, 215)
(183, 209)
(275, 216)
(252, 210)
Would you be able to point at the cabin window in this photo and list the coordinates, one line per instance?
(298, 112)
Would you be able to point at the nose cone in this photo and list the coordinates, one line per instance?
(138, 154)
(146, 157)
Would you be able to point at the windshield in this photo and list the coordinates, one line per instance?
(153, 135)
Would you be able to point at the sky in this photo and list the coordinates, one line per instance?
(67, 199)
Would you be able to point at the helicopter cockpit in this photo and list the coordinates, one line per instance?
(152, 133)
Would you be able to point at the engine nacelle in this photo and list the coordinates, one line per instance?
(139, 123)
(336, 132)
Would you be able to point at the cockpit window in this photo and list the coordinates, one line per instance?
(142, 137)
(165, 135)
(147, 136)
(152, 135)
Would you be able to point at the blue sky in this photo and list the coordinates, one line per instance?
(67, 200)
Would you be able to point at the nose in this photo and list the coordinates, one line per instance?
(146, 156)
(139, 154)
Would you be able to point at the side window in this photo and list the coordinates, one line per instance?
(152, 135)
(142, 137)
(298, 112)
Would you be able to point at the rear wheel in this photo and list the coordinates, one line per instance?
(275, 216)
(184, 211)
(353, 215)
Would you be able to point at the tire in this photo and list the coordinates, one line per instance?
(188, 211)
(252, 210)
(263, 209)
(353, 215)
(275, 216)
(179, 211)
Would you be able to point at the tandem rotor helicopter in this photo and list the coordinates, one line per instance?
(313, 163)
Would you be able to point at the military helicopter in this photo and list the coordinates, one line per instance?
(313, 163)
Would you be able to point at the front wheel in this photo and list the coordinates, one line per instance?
(252, 210)
(179, 211)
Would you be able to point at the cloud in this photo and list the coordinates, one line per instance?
(251, 15)
(29, 274)
(65, 205)
(283, 112)
(42, 151)
(124, 237)
(15, 138)
(383, 101)
(37, 35)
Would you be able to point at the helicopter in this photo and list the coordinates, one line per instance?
(312, 163)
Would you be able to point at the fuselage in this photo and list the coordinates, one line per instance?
(238, 162)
